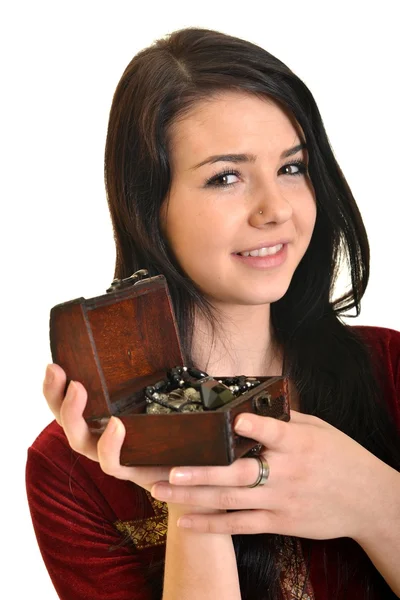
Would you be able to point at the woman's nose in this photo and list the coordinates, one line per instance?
(272, 208)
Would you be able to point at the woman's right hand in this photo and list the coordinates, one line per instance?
(104, 448)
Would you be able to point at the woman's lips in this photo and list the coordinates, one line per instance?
(264, 262)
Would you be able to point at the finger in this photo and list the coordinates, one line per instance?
(235, 523)
(109, 450)
(242, 472)
(75, 427)
(54, 389)
(298, 417)
(272, 433)
(221, 498)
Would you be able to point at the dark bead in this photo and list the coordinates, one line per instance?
(173, 373)
(160, 385)
(196, 373)
(214, 394)
(173, 381)
(170, 386)
(184, 375)
(149, 391)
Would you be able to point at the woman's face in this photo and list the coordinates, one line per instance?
(228, 164)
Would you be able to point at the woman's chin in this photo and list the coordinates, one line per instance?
(261, 300)
(251, 297)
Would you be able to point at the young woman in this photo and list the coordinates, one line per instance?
(220, 175)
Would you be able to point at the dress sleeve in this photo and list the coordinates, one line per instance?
(74, 526)
(384, 345)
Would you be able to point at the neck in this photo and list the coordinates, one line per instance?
(243, 342)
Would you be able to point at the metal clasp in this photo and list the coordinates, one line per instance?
(262, 404)
(118, 284)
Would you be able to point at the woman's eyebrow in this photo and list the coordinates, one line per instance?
(240, 158)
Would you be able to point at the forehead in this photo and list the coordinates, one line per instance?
(232, 122)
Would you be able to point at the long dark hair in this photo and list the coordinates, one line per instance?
(327, 359)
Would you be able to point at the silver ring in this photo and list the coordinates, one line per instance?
(263, 474)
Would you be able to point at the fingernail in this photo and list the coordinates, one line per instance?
(180, 476)
(184, 522)
(49, 376)
(243, 425)
(112, 425)
(161, 492)
(72, 389)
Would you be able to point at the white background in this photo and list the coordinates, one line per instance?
(61, 62)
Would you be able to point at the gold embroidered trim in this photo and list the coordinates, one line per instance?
(148, 532)
(293, 574)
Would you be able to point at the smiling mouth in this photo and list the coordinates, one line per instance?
(267, 251)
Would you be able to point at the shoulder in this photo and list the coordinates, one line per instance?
(379, 335)
(383, 341)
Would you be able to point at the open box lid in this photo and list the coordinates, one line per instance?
(118, 343)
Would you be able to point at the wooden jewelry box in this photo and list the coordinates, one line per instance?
(121, 342)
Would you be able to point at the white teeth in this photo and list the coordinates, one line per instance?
(263, 251)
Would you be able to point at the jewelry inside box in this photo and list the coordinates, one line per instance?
(187, 389)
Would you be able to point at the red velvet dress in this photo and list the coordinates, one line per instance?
(81, 515)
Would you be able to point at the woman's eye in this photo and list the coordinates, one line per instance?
(295, 168)
(223, 179)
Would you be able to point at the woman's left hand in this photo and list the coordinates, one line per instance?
(322, 484)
